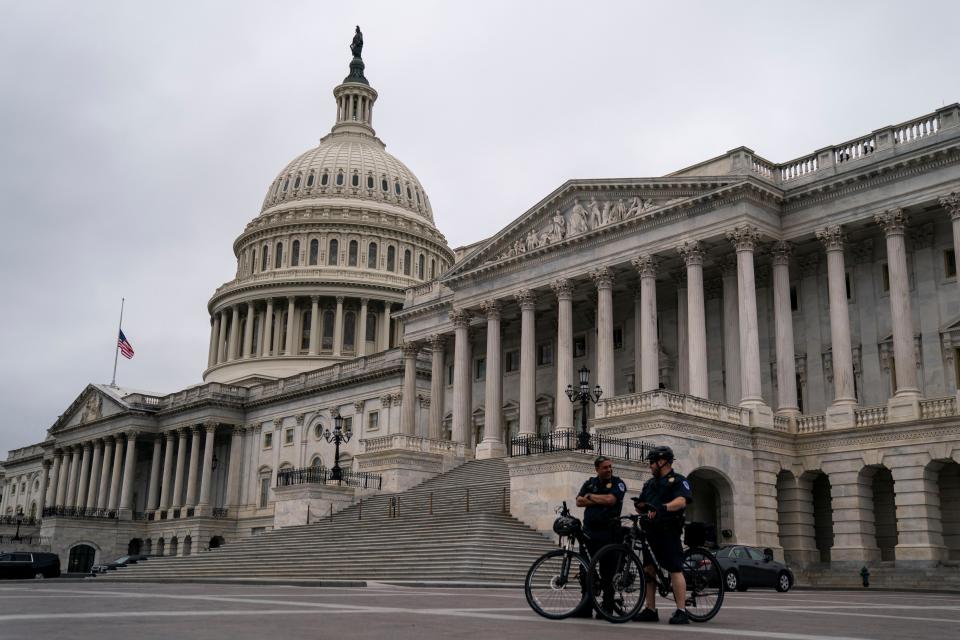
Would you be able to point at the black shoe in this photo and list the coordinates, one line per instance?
(647, 615)
(583, 612)
(679, 617)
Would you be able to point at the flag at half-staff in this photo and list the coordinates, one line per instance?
(124, 345)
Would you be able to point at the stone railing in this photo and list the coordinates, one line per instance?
(312, 274)
(661, 399)
(870, 416)
(811, 424)
(855, 149)
(24, 452)
(938, 408)
(781, 423)
(922, 127)
(412, 443)
(798, 167)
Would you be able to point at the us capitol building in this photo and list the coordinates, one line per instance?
(791, 329)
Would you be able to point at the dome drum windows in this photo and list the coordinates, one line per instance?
(420, 267)
(372, 256)
(340, 178)
(396, 187)
(369, 181)
(295, 254)
(263, 260)
(352, 253)
(326, 338)
(310, 179)
(384, 184)
(314, 252)
(324, 179)
(355, 179)
(349, 332)
(407, 260)
(333, 252)
(296, 183)
(286, 183)
(278, 256)
(391, 258)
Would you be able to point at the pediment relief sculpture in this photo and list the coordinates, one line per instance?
(92, 407)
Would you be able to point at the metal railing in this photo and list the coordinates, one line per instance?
(24, 521)
(80, 514)
(322, 475)
(220, 514)
(600, 445)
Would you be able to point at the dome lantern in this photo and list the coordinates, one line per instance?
(355, 96)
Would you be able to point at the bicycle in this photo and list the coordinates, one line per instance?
(701, 571)
(555, 585)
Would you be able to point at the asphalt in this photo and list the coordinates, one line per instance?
(54, 610)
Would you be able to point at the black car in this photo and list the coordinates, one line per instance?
(744, 567)
(29, 564)
(122, 561)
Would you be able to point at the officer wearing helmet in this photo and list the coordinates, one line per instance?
(663, 500)
(602, 500)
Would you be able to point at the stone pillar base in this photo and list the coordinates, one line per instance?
(491, 449)
(840, 416)
(904, 407)
(305, 503)
(801, 557)
(404, 461)
(920, 555)
(853, 556)
(760, 414)
(124, 514)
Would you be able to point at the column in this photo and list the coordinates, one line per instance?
(61, 495)
(222, 339)
(94, 474)
(205, 478)
(248, 330)
(696, 320)
(951, 202)
(843, 397)
(105, 469)
(114, 498)
(314, 325)
(461, 376)
(71, 498)
(683, 349)
(437, 374)
(744, 238)
(783, 320)
(290, 349)
(408, 415)
(528, 362)
(854, 541)
(603, 279)
(129, 471)
(731, 330)
(919, 510)
(267, 330)
(42, 498)
(234, 333)
(167, 469)
(564, 410)
(797, 531)
(492, 445)
(893, 222)
(54, 479)
(362, 330)
(84, 477)
(194, 469)
(385, 327)
(153, 493)
(233, 471)
(177, 501)
(649, 378)
(338, 328)
(214, 335)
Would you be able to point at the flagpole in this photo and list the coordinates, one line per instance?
(116, 353)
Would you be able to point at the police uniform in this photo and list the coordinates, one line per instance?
(601, 523)
(663, 533)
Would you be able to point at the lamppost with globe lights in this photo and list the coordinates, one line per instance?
(337, 436)
(584, 396)
(16, 536)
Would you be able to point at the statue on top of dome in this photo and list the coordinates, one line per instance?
(356, 47)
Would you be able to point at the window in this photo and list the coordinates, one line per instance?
(544, 354)
(512, 360)
(950, 263)
(372, 256)
(349, 331)
(268, 440)
(305, 323)
(264, 492)
(396, 187)
(391, 258)
(355, 180)
(420, 266)
(253, 260)
(347, 426)
(324, 179)
(314, 251)
(263, 262)
(373, 420)
(340, 178)
(352, 253)
(286, 183)
(332, 254)
(288, 436)
(278, 256)
(255, 342)
(479, 368)
(433, 268)
(418, 196)
(579, 346)
(406, 262)
(295, 254)
(618, 337)
(296, 183)
(794, 298)
(449, 375)
(384, 185)
(318, 433)
(370, 331)
(409, 195)
(310, 180)
(326, 341)
(369, 182)
(282, 333)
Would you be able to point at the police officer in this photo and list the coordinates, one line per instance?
(664, 499)
(602, 500)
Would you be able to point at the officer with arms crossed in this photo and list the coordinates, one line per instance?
(602, 500)
(664, 499)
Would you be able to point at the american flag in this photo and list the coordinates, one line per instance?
(125, 347)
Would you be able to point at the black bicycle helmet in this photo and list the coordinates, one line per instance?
(660, 453)
(565, 525)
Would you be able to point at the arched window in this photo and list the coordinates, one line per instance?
(384, 185)
(396, 187)
(282, 334)
(310, 180)
(372, 256)
(255, 343)
(340, 178)
(296, 183)
(418, 196)
(263, 261)
(391, 258)
(314, 251)
(295, 254)
(355, 180)
(370, 331)
(324, 179)
(276, 189)
(305, 321)
(253, 261)
(278, 256)
(349, 331)
(369, 182)
(334, 251)
(326, 342)
(420, 266)
(352, 253)
(433, 268)
(406, 262)
(286, 183)
(409, 195)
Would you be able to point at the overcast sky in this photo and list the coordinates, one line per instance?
(137, 139)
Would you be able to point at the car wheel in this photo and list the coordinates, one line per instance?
(783, 582)
(732, 581)
(39, 576)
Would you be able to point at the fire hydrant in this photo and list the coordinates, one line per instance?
(865, 575)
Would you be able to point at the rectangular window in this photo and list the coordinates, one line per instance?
(267, 440)
(618, 338)
(373, 421)
(288, 436)
(579, 346)
(885, 277)
(479, 368)
(949, 263)
(449, 375)
(264, 491)
(512, 360)
(544, 354)
(348, 424)
(794, 298)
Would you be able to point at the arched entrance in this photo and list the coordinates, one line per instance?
(948, 486)
(795, 518)
(822, 514)
(216, 542)
(174, 545)
(81, 559)
(884, 512)
(712, 502)
(134, 547)
(161, 547)
(187, 546)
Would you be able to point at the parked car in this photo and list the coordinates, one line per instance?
(122, 561)
(745, 567)
(27, 564)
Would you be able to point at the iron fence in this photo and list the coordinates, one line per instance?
(598, 444)
(78, 513)
(322, 475)
(25, 521)
(219, 514)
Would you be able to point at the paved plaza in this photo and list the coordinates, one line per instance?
(52, 611)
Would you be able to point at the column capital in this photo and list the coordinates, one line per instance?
(645, 265)
(460, 318)
(951, 202)
(862, 251)
(277, 424)
(87, 446)
(780, 251)
(238, 429)
(692, 253)
(744, 237)
(210, 425)
(364, 301)
(602, 277)
(315, 299)
(832, 238)
(340, 299)
(386, 401)
(410, 349)
(892, 221)
(437, 341)
(170, 435)
(132, 435)
(268, 299)
(491, 308)
(562, 288)
(526, 299)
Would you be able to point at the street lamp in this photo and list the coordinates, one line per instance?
(584, 397)
(16, 536)
(337, 436)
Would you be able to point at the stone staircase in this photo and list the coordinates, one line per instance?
(886, 575)
(424, 534)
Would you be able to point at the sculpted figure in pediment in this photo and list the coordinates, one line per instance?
(619, 211)
(578, 220)
(606, 214)
(596, 218)
(558, 227)
(91, 408)
(532, 240)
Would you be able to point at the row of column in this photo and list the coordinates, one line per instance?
(179, 465)
(227, 344)
(88, 475)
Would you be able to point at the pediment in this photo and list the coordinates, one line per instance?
(91, 405)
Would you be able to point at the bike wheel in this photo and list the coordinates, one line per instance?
(705, 586)
(555, 585)
(619, 568)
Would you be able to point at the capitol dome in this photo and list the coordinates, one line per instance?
(343, 231)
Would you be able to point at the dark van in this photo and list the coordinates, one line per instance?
(28, 564)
